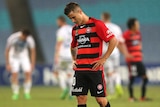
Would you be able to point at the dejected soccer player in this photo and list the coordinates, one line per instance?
(86, 48)
(18, 57)
(136, 67)
(62, 57)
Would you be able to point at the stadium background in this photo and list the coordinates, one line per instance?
(43, 16)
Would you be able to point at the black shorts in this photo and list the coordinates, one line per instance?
(136, 69)
(88, 80)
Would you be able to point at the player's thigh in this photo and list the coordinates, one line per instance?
(62, 76)
(15, 64)
(26, 64)
(141, 69)
(97, 84)
(80, 84)
(133, 69)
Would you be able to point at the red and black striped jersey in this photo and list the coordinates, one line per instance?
(88, 38)
(134, 45)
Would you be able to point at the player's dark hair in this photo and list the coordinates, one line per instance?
(131, 22)
(70, 7)
(61, 18)
(106, 15)
(25, 32)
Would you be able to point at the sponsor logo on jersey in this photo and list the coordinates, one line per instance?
(83, 39)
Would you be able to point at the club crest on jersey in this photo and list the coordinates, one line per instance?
(88, 30)
(83, 39)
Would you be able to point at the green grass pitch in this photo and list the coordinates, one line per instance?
(49, 97)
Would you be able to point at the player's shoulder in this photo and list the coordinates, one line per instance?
(30, 37)
(14, 35)
(126, 32)
(96, 21)
(64, 28)
(115, 26)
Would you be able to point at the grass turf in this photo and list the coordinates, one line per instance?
(49, 97)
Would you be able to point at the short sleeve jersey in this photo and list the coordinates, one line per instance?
(19, 47)
(64, 35)
(116, 30)
(88, 38)
(133, 42)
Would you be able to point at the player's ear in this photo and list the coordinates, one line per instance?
(80, 11)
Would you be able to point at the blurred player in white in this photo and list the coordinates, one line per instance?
(62, 57)
(18, 58)
(113, 62)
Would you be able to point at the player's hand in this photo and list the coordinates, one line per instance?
(56, 61)
(55, 73)
(74, 64)
(129, 56)
(98, 63)
(69, 75)
(8, 67)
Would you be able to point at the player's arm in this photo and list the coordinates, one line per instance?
(74, 53)
(8, 68)
(8, 46)
(73, 49)
(107, 36)
(112, 44)
(32, 48)
(33, 57)
(123, 49)
(57, 51)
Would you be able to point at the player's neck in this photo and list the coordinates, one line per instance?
(63, 24)
(133, 31)
(107, 21)
(85, 19)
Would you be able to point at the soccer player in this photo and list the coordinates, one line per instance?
(17, 58)
(136, 67)
(62, 57)
(86, 48)
(113, 62)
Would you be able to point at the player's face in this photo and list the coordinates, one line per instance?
(137, 26)
(76, 17)
(59, 23)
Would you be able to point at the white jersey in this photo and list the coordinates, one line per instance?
(116, 30)
(19, 48)
(64, 34)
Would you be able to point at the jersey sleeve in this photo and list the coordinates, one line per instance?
(120, 35)
(74, 42)
(59, 35)
(125, 36)
(31, 42)
(103, 32)
(11, 41)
